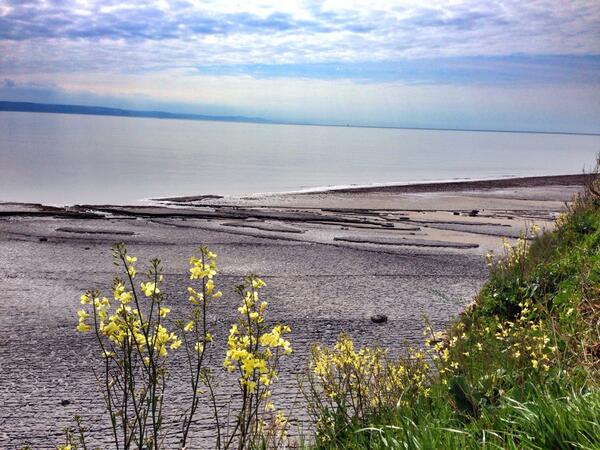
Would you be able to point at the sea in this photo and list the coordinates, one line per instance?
(65, 159)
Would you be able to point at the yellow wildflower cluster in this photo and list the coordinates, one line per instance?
(128, 326)
(514, 255)
(524, 341)
(135, 341)
(273, 433)
(250, 350)
(254, 352)
(202, 268)
(363, 380)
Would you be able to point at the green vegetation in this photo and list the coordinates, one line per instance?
(519, 369)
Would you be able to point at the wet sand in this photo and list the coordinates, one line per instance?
(330, 259)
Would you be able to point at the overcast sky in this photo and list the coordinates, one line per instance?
(461, 64)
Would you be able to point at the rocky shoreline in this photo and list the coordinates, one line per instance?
(332, 260)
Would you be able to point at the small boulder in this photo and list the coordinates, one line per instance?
(65, 402)
(474, 213)
(379, 318)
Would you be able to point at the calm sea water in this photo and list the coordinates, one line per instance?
(67, 159)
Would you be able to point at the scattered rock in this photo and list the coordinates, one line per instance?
(43, 239)
(379, 318)
(65, 402)
(456, 213)
(474, 213)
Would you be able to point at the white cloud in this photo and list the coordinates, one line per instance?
(158, 50)
(113, 34)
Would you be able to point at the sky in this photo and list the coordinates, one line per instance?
(508, 65)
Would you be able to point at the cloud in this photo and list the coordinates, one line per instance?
(507, 70)
(358, 61)
(183, 33)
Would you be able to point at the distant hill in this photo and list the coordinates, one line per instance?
(102, 111)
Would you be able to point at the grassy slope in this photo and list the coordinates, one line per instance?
(519, 369)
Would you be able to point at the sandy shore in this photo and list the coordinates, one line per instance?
(331, 260)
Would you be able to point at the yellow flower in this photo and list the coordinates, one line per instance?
(163, 311)
(125, 297)
(198, 347)
(149, 288)
(445, 354)
(83, 328)
(534, 363)
(111, 329)
(189, 326)
(131, 259)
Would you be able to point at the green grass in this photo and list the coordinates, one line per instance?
(521, 368)
(545, 422)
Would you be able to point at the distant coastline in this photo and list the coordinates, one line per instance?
(104, 111)
(119, 112)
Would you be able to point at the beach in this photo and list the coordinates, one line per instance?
(331, 260)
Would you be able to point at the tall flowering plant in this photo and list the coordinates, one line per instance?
(135, 340)
(253, 353)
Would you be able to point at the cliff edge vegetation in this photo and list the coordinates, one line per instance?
(519, 369)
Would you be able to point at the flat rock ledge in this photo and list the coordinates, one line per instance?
(94, 231)
(404, 241)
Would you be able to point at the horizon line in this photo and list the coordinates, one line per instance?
(157, 114)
